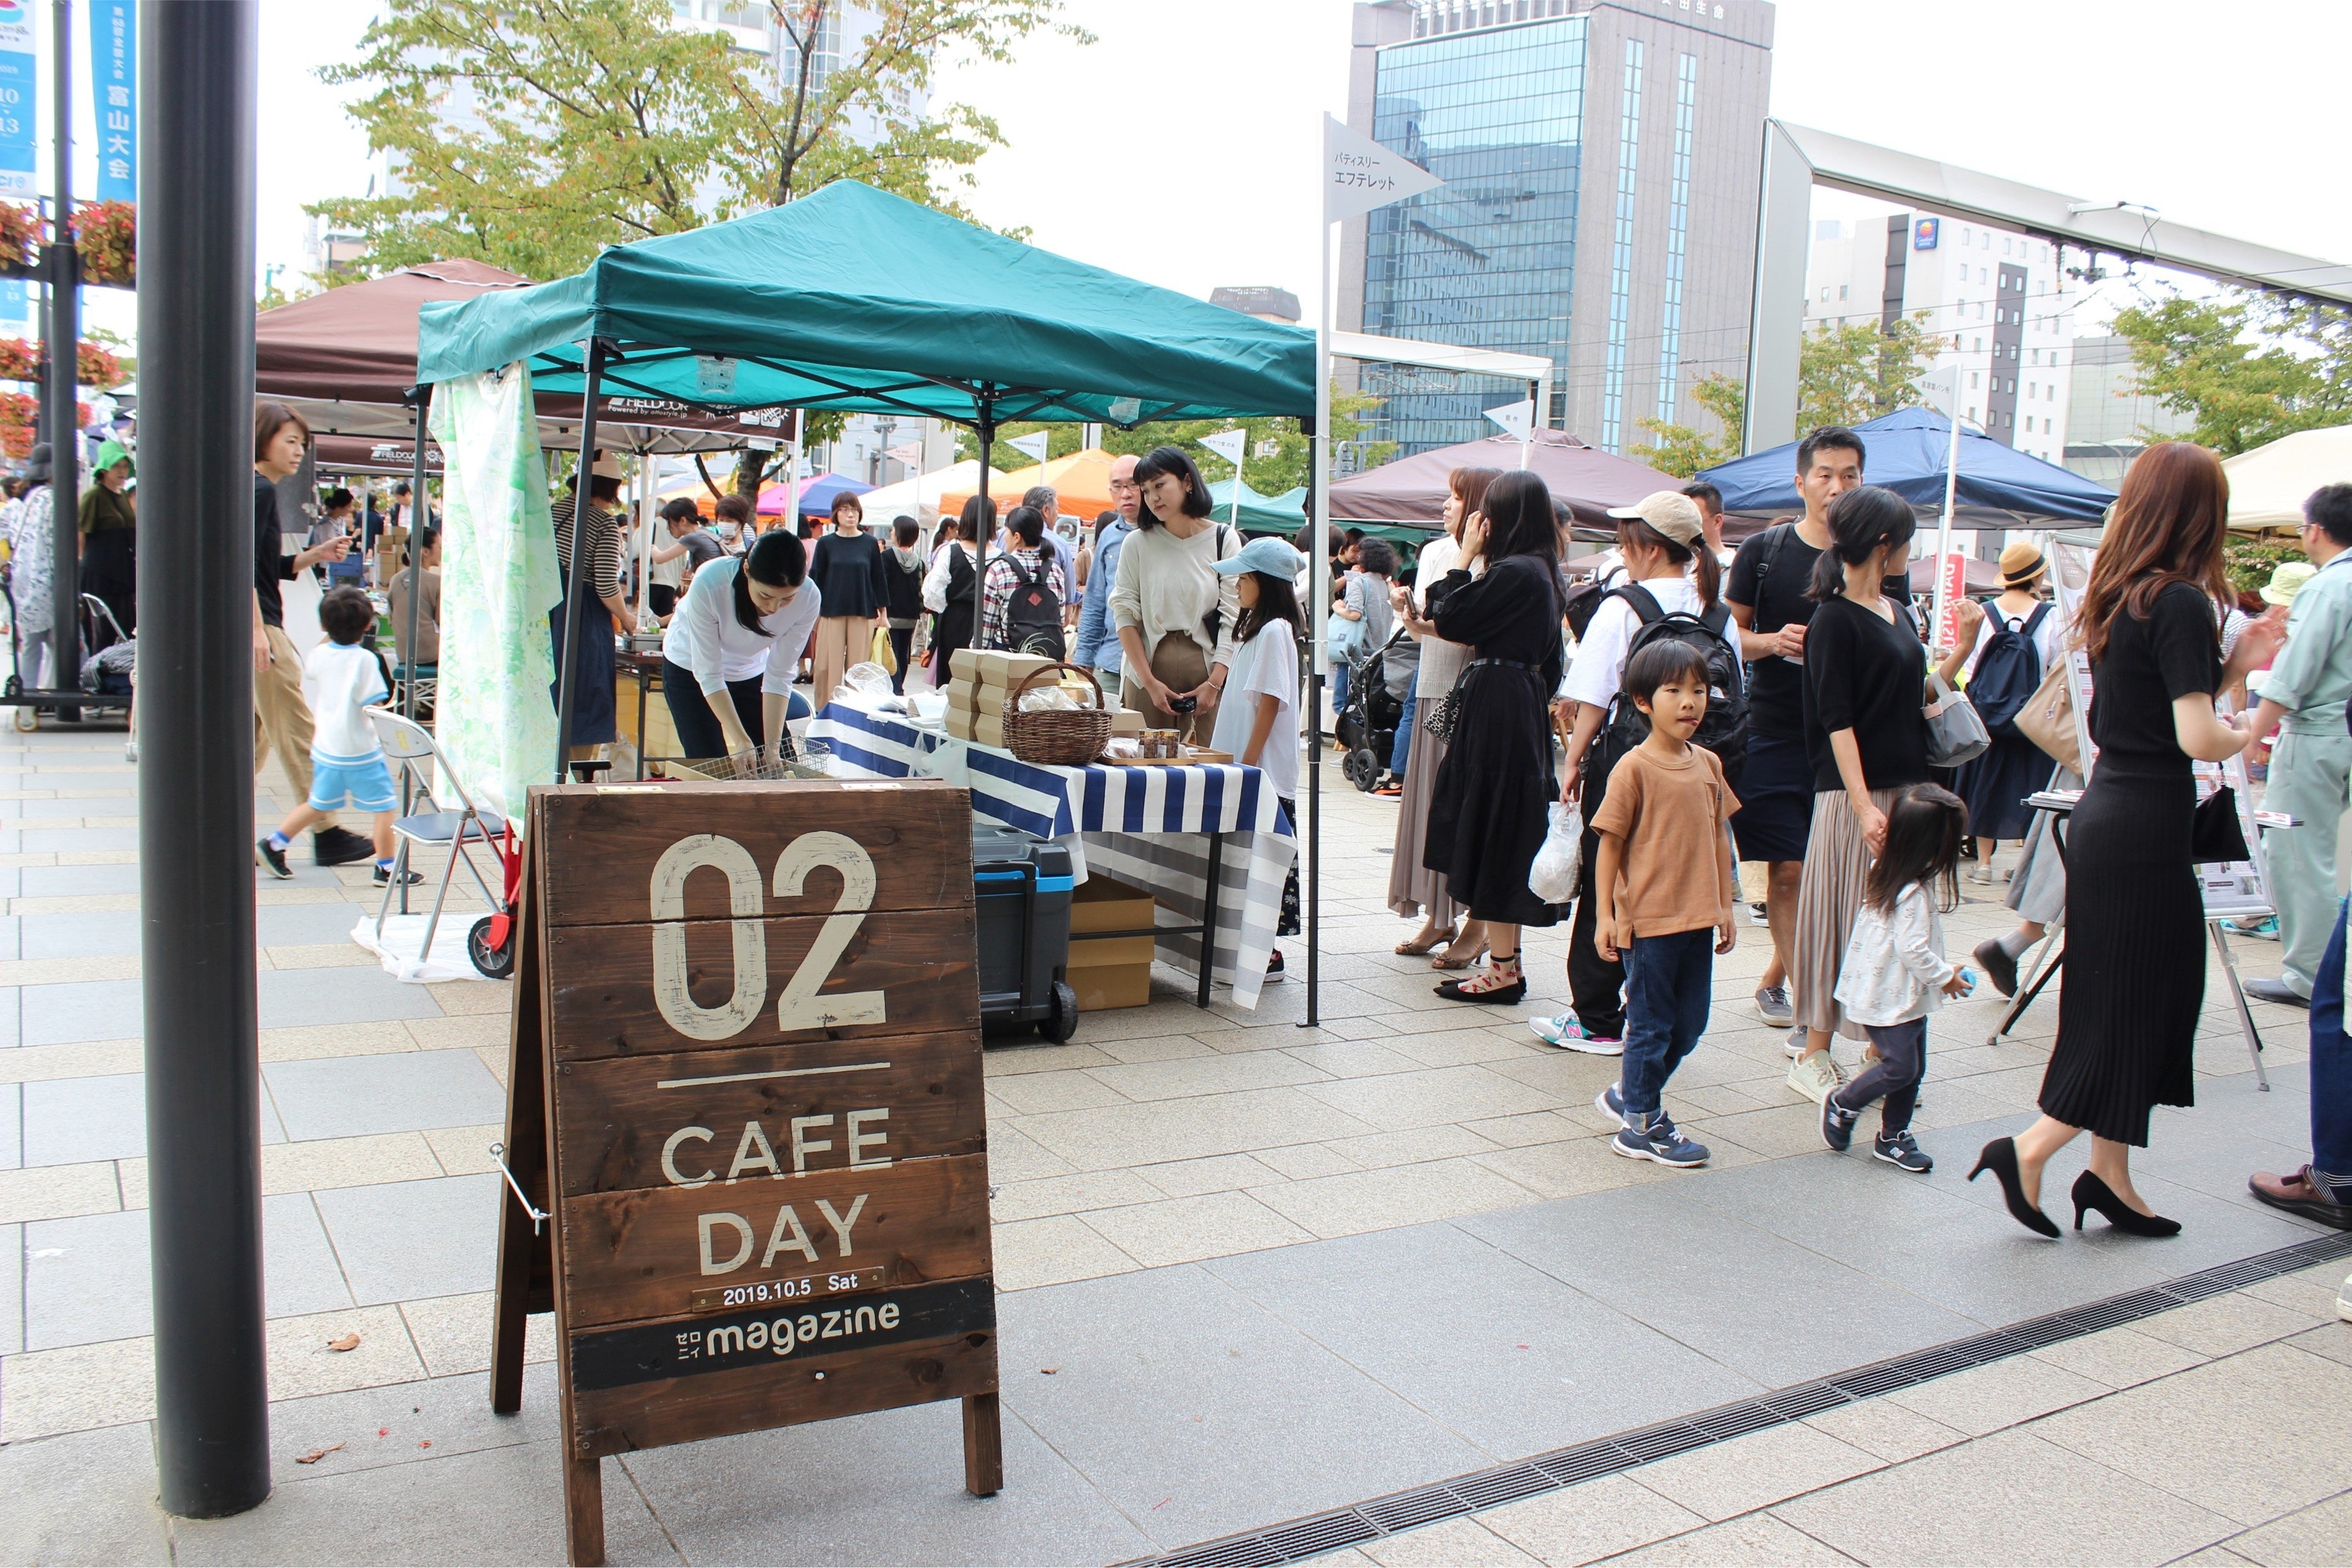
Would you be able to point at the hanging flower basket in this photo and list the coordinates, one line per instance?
(21, 234)
(106, 236)
(99, 368)
(18, 413)
(19, 359)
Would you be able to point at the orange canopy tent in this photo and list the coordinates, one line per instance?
(1081, 480)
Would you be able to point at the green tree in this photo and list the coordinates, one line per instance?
(1846, 373)
(2247, 368)
(1682, 451)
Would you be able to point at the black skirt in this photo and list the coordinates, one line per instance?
(2135, 958)
(110, 571)
(593, 722)
(1487, 811)
(1995, 786)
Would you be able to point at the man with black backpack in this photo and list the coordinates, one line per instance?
(1021, 602)
(1767, 597)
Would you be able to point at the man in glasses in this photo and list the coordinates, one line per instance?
(1097, 647)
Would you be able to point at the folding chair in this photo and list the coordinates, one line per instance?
(412, 745)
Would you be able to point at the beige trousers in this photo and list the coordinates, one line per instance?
(1180, 665)
(282, 720)
(841, 641)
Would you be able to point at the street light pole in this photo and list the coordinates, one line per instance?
(198, 76)
(65, 375)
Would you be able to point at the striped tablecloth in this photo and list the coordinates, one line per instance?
(1146, 826)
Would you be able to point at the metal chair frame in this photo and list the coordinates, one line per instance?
(412, 745)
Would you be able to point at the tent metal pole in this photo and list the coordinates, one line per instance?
(198, 83)
(420, 397)
(979, 577)
(1317, 570)
(575, 576)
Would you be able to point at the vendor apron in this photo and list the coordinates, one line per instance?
(592, 720)
(1181, 663)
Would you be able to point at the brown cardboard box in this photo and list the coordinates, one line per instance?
(994, 666)
(1126, 721)
(980, 730)
(1106, 986)
(1109, 972)
(1103, 903)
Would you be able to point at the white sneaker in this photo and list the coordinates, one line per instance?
(1815, 1076)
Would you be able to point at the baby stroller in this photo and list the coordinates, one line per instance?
(1367, 726)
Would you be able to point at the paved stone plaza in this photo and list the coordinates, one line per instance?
(1250, 1272)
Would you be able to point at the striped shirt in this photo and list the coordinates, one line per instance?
(601, 550)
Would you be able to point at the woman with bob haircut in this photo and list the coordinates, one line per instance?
(1487, 808)
(2135, 943)
(732, 649)
(1175, 614)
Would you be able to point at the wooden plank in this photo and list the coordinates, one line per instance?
(606, 841)
(583, 1509)
(984, 1445)
(892, 972)
(619, 1115)
(642, 1254)
(753, 1398)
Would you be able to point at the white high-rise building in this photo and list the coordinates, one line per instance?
(2001, 302)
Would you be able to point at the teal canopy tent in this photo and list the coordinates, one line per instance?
(1260, 514)
(853, 298)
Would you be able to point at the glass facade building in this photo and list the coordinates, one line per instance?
(1488, 260)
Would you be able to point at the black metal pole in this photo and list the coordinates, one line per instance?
(1314, 771)
(575, 577)
(65, 372)
(198, 78)
(421, 397)
(979, 578)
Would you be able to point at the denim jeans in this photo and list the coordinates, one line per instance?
(1666, 984)
(2331, 1069)
(1403, 748)
(1339, 689)
(1894, 1076)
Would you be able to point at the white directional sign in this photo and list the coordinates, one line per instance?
(1033, 444)
(1359, 175)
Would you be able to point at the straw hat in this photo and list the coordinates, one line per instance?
(2287, 582)
(2021, 565)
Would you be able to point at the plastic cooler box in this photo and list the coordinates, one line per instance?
(1021, 909)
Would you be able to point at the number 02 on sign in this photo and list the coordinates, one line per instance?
(745, 1142)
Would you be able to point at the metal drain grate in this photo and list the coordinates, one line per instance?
(1299, 1539)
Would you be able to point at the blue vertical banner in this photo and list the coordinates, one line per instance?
(19, 99)
(114, 96)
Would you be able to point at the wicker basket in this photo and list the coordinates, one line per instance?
(1057, 737)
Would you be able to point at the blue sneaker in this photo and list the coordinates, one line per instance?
(1837, 1123)
(1610, 1104)
(1657, 1138)
(1570, 1034)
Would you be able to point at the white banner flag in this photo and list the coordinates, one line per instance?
(1033, 444)
(1359, 175)
(1229, 444)
(1515, 418)
(910, 452)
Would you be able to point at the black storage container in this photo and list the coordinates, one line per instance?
(1020, 906)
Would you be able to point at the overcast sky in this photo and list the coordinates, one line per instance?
(1178, 148)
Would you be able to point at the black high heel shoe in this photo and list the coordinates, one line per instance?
(1999, 1157)
(2091, 1193)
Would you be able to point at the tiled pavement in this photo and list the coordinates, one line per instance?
(1273, 1270)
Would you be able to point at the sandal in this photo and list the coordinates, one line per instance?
(1504, 984)
(1446, 960)
(1417, 948)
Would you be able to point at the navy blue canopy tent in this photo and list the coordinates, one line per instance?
(1906, 452)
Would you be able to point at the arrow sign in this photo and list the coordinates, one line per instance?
(1229, 444)
(1359, 175)
(1033, 444)
(1515, 418)
(911, 452)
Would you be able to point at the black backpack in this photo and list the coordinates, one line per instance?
(1724, 729)
(1033, 620)
(2008, 673)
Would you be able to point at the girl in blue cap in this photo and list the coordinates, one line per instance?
(1258, 719)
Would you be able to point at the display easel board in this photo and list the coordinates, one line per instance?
(745, 1131)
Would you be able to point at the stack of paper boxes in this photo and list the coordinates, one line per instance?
(979, 682)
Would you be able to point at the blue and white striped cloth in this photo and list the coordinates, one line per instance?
(1145, 826)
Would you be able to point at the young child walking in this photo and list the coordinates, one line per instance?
(1257, 720)
(341, 678)
(1894, 974)
(1666, 893)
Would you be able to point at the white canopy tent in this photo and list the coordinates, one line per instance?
(2269, 484)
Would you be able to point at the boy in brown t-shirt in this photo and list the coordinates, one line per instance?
(1664, 885)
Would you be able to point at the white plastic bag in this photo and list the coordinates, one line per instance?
(1552, 877)
(863, 680)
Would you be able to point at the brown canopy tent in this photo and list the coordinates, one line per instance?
(365, 454)
(1412, 490)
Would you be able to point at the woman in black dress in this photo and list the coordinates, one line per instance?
(2134, 949)
(1487, 810)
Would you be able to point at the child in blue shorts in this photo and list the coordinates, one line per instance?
(341, 678)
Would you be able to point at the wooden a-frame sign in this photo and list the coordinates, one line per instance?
(745, 1138)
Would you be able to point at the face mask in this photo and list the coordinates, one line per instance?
(728, 530)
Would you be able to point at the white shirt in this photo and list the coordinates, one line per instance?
(1266, 666)
(1165, 584)
(340, 679)
(705, 637)
(935, 583)
(1599, 669)
(1894, 969)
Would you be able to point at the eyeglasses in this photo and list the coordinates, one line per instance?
(1119, 485)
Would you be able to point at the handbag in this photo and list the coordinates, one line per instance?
(1956, 733)
(2214, 832)
(2048, 719)
(883, 652)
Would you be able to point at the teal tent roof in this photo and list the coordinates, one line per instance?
(854, 299)
(1260, 514)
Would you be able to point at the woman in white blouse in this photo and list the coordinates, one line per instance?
(733, 646)
(1174, 613)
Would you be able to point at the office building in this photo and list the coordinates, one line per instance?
(2112, 420)
(1601, 161)
(2001, 302)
